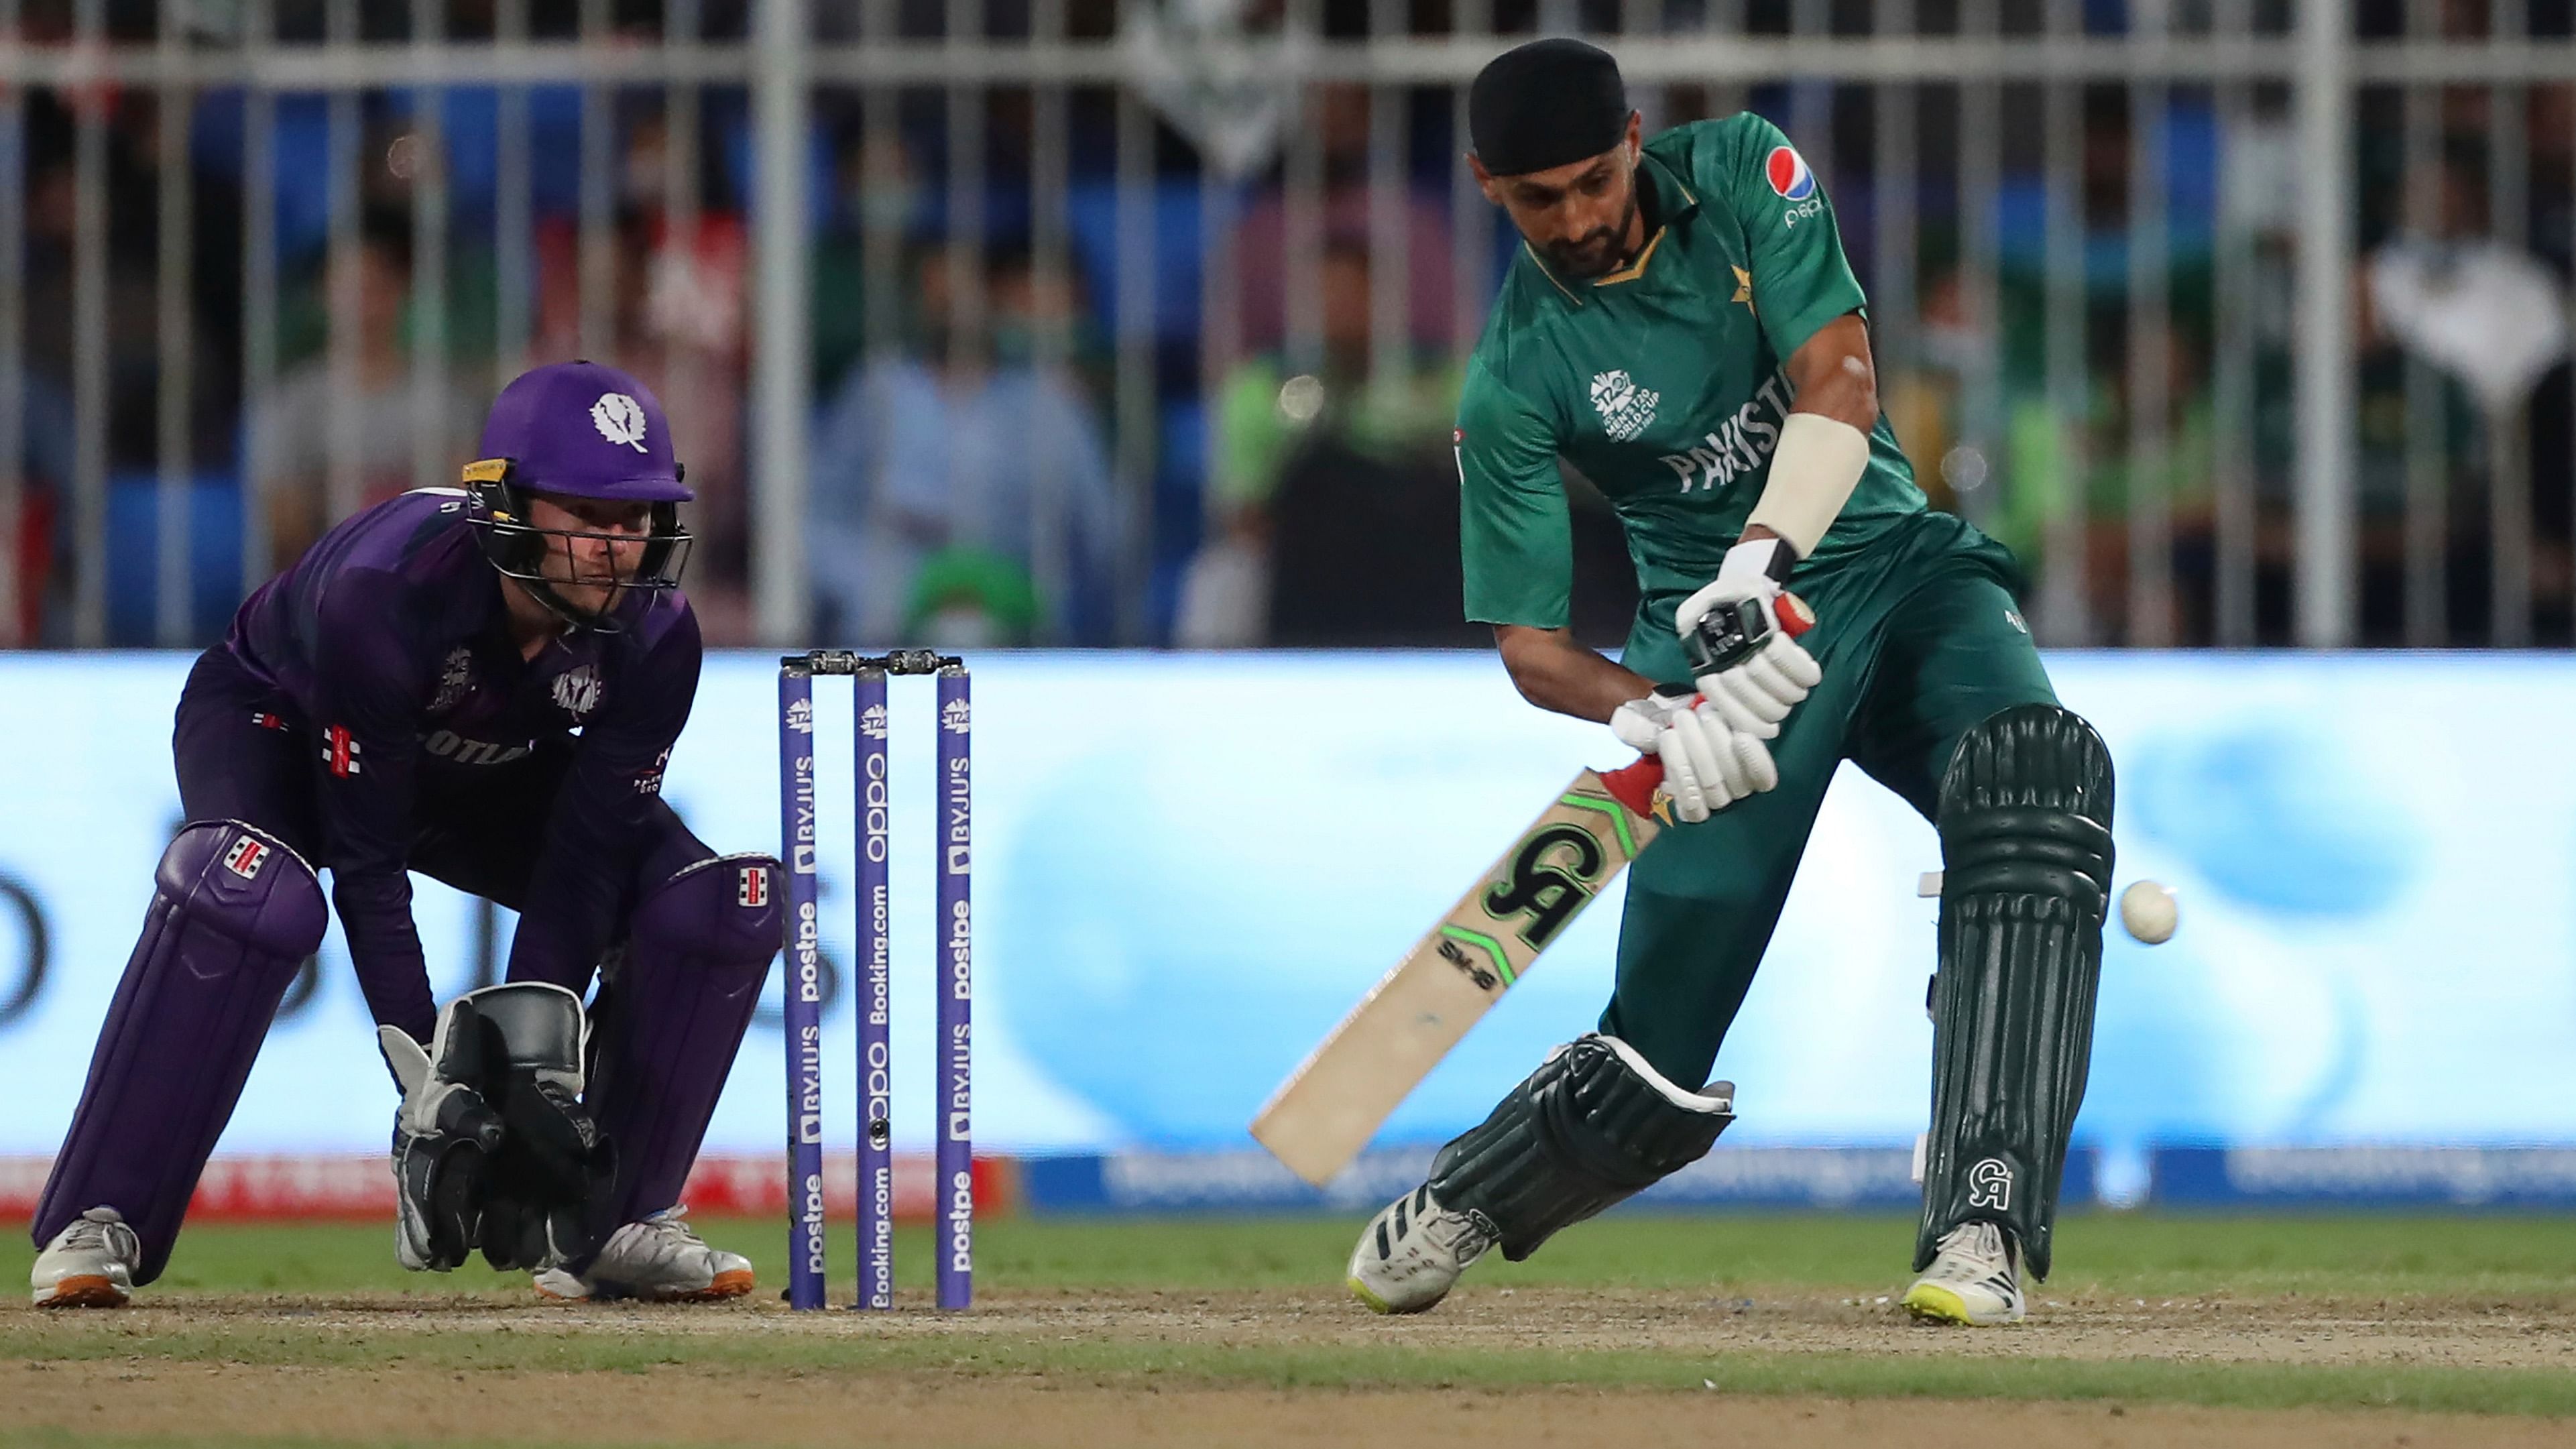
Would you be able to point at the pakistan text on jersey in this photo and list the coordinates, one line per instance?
(1739, 445)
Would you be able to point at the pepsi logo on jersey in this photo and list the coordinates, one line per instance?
(1788, 173)
(1790, 178)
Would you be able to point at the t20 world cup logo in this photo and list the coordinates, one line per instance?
(1625, 408)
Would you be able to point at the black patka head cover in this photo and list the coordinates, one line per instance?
(1545, 104)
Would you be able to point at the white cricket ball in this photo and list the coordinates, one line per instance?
(2147, 910)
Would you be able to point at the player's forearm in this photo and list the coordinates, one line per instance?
(603, 809)
(1834, 374)
(571, 908)
(1824, 443)
(1555, 673)
(374, 907)
(565, 930)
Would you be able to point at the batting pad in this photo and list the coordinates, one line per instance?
(1593, 1125)
(2025, 822)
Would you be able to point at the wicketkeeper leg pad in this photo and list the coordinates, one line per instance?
(1594, 1125)
(671, 1018)
(2025, 823)
(234, 913)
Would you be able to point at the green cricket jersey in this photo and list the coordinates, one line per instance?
(1660, 382)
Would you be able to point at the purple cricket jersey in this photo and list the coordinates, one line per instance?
(387, 644)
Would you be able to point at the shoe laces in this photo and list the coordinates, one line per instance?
(1467, 1235)
(101, 1230)
(1475, 1237)
(1974, 1250)
(662, 1236)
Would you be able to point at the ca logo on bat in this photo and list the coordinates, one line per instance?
(1547, 891)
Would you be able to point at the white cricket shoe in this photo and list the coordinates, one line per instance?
(1974, 1279)
(1412, 1253)
(89, 1264)
(658, 1259)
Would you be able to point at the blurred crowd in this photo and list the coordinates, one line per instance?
(979, 474)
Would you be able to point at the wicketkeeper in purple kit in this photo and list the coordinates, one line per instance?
(481, 684)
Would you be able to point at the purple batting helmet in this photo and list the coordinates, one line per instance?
(584, 429)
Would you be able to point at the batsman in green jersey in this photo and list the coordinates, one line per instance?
(1682, 328)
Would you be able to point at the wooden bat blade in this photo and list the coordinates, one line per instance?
(1330, 1107)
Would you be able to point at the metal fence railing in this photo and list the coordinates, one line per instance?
(2242, 323)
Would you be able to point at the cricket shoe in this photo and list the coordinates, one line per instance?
(659, 1260)
(89, 1264)
(1975, 1279)
(1411, 1254)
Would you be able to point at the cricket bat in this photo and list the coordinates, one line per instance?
(1329, 1107)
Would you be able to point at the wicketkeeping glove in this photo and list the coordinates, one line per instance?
(553, 1160)
(444, 1136)
(1740, 636)
(1708, 764)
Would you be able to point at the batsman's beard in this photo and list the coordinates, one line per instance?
(1598, 252)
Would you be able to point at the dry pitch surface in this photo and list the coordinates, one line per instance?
(2349, 1332)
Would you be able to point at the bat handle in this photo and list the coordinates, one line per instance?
(1634, 785)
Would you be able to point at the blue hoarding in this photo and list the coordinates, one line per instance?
(1188, 867)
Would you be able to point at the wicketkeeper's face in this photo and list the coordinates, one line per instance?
(1580, 217)
(594, 546)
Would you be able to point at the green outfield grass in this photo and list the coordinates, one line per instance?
(2119, 1254)
(2447, 1271)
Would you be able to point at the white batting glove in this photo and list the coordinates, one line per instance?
(1708, 764)
(1740, 635)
